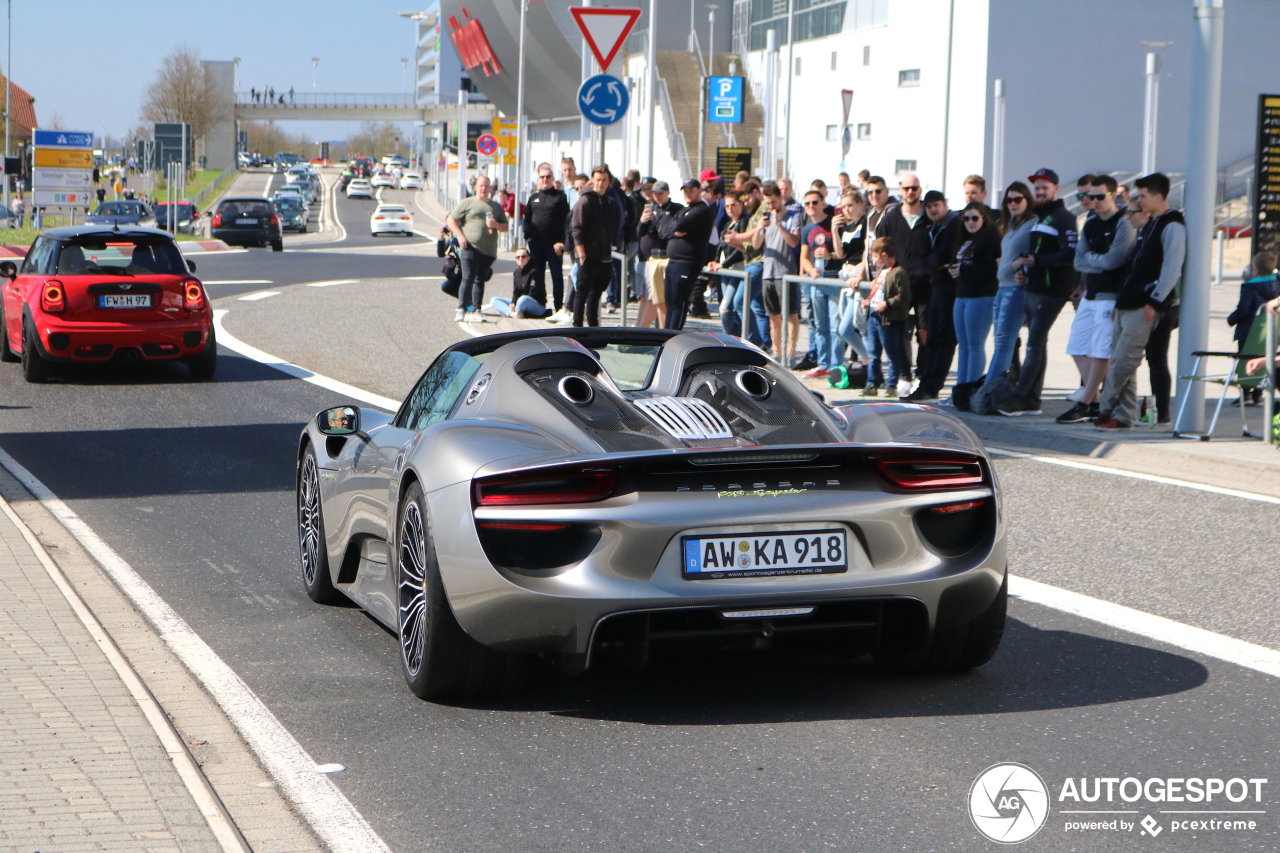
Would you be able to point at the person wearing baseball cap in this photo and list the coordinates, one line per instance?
(708, 175)
(687, 251)
(654, 234)
(1047, 274)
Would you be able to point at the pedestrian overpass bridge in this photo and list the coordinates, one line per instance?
(348, 106)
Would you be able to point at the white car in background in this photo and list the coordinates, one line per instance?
(391, 219)
(411, 181)
(359, 188)
(384, 179)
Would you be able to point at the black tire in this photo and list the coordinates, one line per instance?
(35, 368)
(277, 245)
(955, 648)
(438, 658)
(313, 559)
(6, 354)
(205, 364)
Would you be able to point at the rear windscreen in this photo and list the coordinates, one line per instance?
(119, 256)
(245, 208)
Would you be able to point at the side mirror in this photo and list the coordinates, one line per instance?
(8, 269)
(340, 420)
(191, 265)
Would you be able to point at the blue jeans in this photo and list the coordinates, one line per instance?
(1040, 310)
(1008, 320)
(529, 306)
(824, 308)
(973, 323)
(890, 339)
(852, 336)
(755, 275)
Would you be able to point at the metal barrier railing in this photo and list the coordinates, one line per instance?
(624, 282)
(326, 99)
(1269, 401)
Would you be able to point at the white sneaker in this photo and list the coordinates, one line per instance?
(519, 315)
(459, 315)
(904, 388)
(474, 317)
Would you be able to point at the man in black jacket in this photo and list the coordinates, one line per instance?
(686, 252)
(906, 224)
(940, 326)
(1049, 278)
(654, 234)
(594, 228)
(544, 221)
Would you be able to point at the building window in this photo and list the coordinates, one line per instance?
(910, 77)
(833, 60)
(797, 66)
(866, 54)
(864, 132)
(900, 166)
(833, 134)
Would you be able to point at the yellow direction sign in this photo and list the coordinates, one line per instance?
(60, 158)
(507, 130)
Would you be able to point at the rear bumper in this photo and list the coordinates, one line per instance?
(244, 237)
(95, 342)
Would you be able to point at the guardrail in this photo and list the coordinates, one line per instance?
(741, 275)
(199, 199)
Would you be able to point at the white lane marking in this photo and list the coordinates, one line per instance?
(233, 343)
(1134, 475)
(262, 294)
(266, 192)
(1188, 637)
(206, 799)
(423, 209)
(237, 281)
(326, 808)
(332, 282)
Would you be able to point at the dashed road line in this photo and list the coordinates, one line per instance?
(237, 281)
(332, 282)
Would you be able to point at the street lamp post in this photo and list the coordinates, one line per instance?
(520, 117)
(315, 69)
(1151, 104)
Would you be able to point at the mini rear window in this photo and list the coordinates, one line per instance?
(119, 255)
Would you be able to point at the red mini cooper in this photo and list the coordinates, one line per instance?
(92, 294)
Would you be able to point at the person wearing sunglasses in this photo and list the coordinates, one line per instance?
(1049, 278)
(907, 225)
(545, 219)
(1104, 244)
(1016, 222)
(528, 295)
(938, 320)
(817, 260)
(974, 266)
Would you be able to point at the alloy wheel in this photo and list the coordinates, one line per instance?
(412, 588)
(309, 521)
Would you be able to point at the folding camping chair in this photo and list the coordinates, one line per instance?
(1235, 375)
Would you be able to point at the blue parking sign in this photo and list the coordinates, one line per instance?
(724, 102)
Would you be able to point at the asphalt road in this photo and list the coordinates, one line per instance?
(193, 485)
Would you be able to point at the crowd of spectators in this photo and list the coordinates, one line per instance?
(898, 287)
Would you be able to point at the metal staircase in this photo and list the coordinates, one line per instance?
(681, 73)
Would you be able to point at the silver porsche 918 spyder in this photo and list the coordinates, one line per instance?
(582, 494)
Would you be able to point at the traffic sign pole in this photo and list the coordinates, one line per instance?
(521, 178)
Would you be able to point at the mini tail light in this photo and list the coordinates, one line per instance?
(193, 296)
(53, 299)
(908, 473)
(549, 486)
(217, 221)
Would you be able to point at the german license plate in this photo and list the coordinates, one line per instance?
(808, 552)
(246, 222)
(124, 300)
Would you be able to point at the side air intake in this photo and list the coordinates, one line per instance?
(686, 418)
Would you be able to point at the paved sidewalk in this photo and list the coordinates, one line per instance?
(80, 766)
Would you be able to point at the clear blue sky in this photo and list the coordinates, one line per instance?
(89, 60)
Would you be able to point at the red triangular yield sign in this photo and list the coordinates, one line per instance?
(605, 30)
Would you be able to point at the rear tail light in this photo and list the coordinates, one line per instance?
(192, 296)
(550, 486)
(53, 299)
(217, 221)
(275, 220)
(379, 217)
(926, 473)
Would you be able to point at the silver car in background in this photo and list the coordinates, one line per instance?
(589, 494)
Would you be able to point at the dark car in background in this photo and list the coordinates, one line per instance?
(180, 218)
(247, 222)
(122, 213)
(293, 213)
